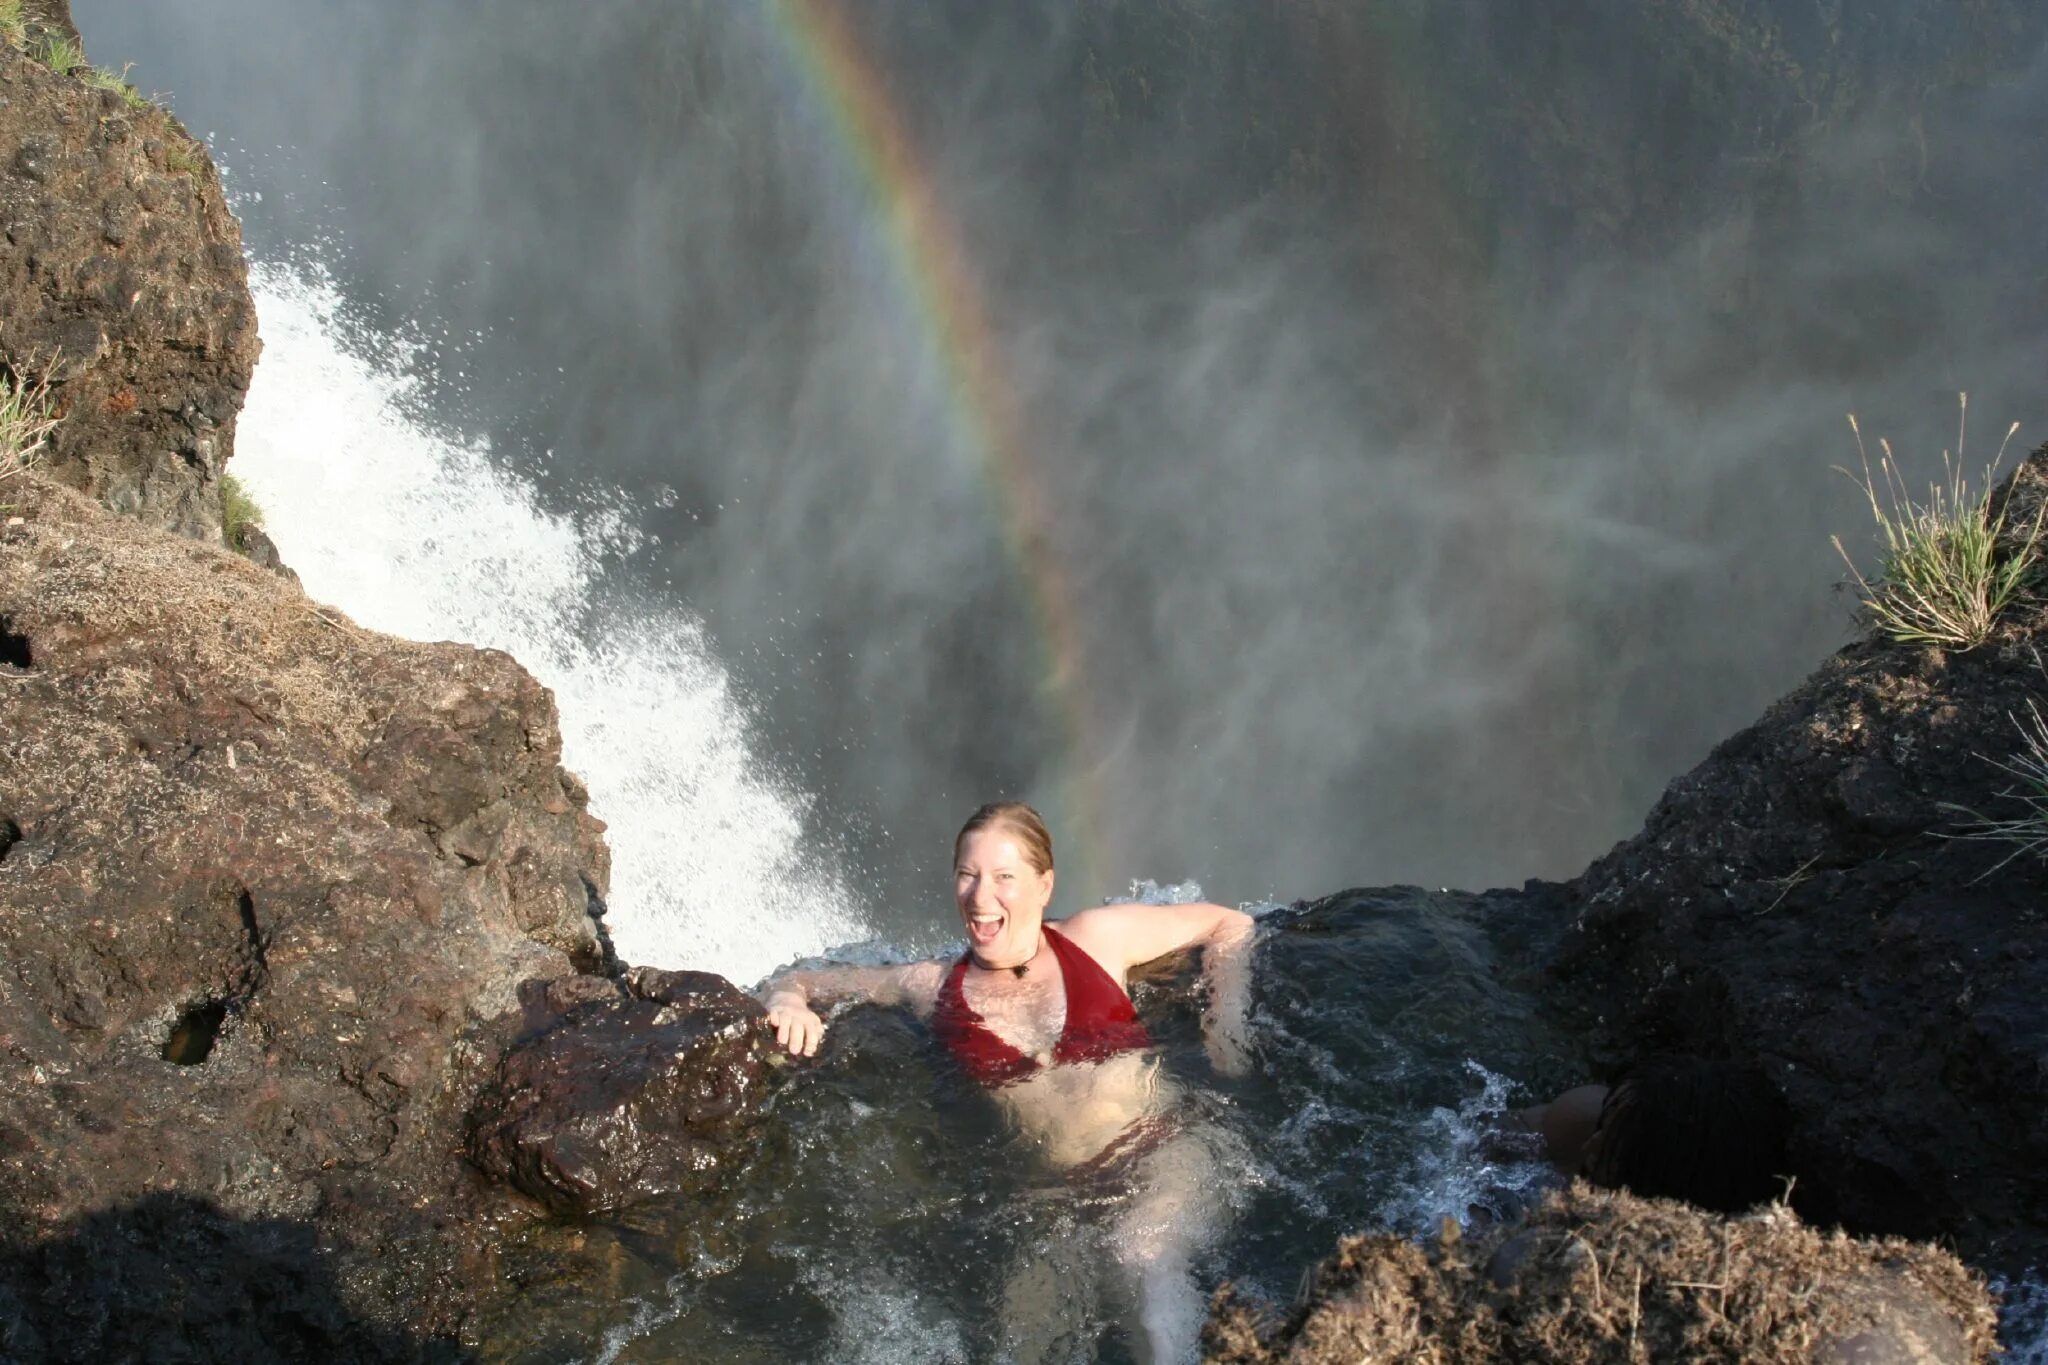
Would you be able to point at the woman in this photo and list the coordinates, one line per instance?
(1041, 1015)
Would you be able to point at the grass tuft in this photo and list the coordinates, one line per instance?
(13, 24)
(58, 52)
(26, 421)
(238, 511)
(185, 158)
(1946, 567)
(2026, 831)
(100, 78)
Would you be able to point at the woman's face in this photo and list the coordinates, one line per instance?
(1001, 897)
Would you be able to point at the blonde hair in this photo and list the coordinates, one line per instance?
(1018, 819)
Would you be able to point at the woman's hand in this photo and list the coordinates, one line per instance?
(797, 1025)
(1226, 1023)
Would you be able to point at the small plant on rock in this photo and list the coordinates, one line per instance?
(26, 422)
(238, 511)
(184, 158)
(60, 53)
(2026, 831)
(100, 78)
(13, 24)
(1947, 567)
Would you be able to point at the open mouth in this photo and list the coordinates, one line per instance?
(982, 929)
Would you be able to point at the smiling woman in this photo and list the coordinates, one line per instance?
(1041, 1016)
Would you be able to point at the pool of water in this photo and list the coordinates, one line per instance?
(889, 1216)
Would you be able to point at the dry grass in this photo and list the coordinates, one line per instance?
(25, 423)
(185, 158)
(1597, 1277)
(2027, 765)
(1947, 567)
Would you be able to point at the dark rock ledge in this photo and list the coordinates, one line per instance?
(1801, 900)
(1804, 901)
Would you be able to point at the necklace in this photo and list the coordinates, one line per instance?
(1020, 968)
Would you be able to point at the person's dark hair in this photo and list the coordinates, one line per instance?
(1020, 822)
(1709, 1133)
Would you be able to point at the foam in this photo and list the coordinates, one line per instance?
(425, 535)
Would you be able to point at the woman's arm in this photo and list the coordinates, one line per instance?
(1122, 936)
(794, 998)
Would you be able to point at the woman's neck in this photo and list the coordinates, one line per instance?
(1017, 969)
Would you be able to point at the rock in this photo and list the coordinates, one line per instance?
(1598, 1276)
(1800, 901)
(123, 284)
(51, 16)
(268, 883)
(256, 546)
(628, 1094)
(172, 1278)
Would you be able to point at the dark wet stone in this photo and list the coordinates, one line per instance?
(626, 1098)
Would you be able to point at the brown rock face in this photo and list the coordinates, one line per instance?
(636, 1090)
(122, 282)
(266, 879)
(1592, 1276)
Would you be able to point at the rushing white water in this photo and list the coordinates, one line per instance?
(425, 536)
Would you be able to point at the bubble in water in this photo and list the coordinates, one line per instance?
(1455, 1171)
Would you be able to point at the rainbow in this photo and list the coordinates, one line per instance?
(931, 266)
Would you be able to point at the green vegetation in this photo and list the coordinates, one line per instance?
(58, 52)
(2027, 832)
(1946, 567)
(100, 78)
(238, 511)
(63, 55)
(185, 158)
(25, 424)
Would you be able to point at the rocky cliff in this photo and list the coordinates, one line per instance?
(1804, 899)
(265, 879)
(306, 1011)
(1821, 899)
(122, 284)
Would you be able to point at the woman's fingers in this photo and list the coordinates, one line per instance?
(797, 1029)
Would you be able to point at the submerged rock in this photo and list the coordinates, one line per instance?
(123, 285)
(632, 1090)
(1593, 1276)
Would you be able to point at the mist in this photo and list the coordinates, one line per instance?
(1434, 409)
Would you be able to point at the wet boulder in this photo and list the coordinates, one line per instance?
(627, 1091)
(1597, 1276)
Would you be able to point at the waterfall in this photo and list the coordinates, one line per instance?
(422, 534)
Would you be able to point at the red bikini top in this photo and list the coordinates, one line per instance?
(1100, 1020)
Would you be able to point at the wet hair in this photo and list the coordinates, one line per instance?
(1709, 1133)
(1018, 820)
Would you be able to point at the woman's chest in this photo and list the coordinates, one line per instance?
(1027, 1012)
